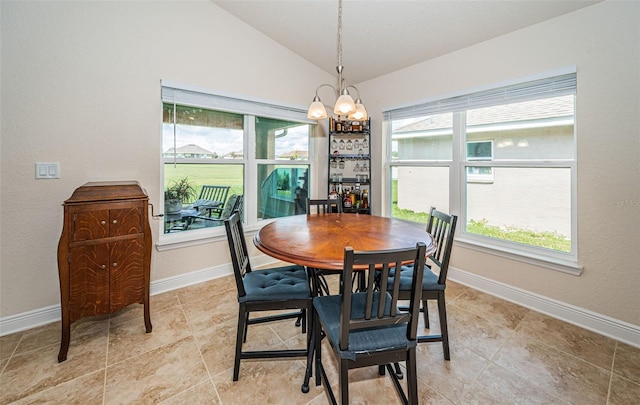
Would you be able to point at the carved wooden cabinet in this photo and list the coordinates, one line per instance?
(104, 253)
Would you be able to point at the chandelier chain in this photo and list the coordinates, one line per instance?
(339, 32)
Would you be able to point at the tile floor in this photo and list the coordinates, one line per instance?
(501, 353)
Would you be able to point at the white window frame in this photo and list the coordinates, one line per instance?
(458, 105)
(251, 108)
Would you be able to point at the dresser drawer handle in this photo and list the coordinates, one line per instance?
(114, 264)
(102, 266)
(103, 222)
(115, 221)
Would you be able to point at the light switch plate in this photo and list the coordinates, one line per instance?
(47, 170)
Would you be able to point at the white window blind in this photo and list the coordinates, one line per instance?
(543, 88)
(201, 99)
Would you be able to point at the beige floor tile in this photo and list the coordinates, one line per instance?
(156, 375)
(157, 303)
(218, 344)
(627, 362)
(201, 394)
(276, 381)
(287, 330)
(494, 309)
(587, 345)
(497, 385)
(449, 378)
(560, 374)
(204, 315)
(455, 290)
(85, 390)
(8, 344)
(623, 392)
(470, 330)
(40, 337)
(209, 290)
(37, 370)
(50, 334)
(129, 339)
(218, 347)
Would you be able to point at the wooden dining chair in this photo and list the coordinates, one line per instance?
(366, 328)
(442, 228)
(323, 206)
(279, 288)
(320, 207)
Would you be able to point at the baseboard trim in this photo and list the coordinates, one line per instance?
(602, 324)
(42, 316)
(598, 323)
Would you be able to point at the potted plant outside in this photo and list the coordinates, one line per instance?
(179, 192)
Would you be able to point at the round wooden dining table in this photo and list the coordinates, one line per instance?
(318, 241)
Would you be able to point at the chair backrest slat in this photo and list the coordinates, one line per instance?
(214, 193)
(238, 250)
(442, 228)
(380, 302)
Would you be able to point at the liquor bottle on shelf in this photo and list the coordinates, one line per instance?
(346, 201)
(333, 195)
(365, 199)
(355, 199)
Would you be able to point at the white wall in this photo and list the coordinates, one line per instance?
(81, 86)
(602, 41)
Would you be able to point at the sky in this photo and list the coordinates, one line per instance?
(223, 140)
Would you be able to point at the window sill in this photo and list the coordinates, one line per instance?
(196, 237)
(552, 263)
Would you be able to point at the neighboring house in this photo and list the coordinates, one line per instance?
(190, 151)
(521, 131)
(295, 155)
(238, 154)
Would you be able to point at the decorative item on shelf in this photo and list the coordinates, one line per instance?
(345, 105)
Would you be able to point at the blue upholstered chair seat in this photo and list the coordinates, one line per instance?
(364, 340)
(429, 279)
(282, 283)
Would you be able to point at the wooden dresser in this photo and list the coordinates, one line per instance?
(104, 253)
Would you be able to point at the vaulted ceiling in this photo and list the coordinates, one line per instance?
(382, 36)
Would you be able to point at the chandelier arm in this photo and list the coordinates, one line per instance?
(326, 85)
(355, 88)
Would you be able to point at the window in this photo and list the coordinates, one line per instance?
(478, 151)
(254, 150)
(502, 159)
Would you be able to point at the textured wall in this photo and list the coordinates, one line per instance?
(81, 86)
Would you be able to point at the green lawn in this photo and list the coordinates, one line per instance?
(547, 240)
(206, 174)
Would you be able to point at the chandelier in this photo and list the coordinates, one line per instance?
(345, 105)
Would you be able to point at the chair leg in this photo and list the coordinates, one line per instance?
(240, 335)
(412, 377)
(246, 328)
(310, 353)
(425, 311)
(317, 337)
(444, 330)
(398, 371)
(344, 382)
